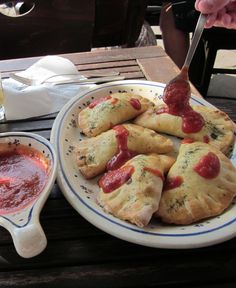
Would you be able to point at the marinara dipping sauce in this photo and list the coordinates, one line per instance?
(123, 154)
(208, 166)
(94, 103)
(23, 175)
(172, 183)
(176, 96)
(112, 180)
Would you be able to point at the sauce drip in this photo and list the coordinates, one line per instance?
(23, 175)
(114, 179)
(173, 182)
(192, 121)
(206, 139)
(162, 110)
(135, 103)
(187, 141)
(123, 154)
(155, 172)
(209, 166)
(94, 103)
(176, 96)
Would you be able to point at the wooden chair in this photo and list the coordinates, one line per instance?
(118, 22)
(153, 11)
(65, 26)
(202, 66)
(56, 26)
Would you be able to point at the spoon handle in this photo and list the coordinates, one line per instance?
(196, 37)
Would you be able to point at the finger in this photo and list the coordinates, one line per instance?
(210, 6)
(211, 19)
(227, 21)
(232, 23)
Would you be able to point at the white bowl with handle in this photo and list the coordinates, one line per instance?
(23, 222)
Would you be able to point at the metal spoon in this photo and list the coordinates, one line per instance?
(196, 37)
(183, 75)
(177, 92)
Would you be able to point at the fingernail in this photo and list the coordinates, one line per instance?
(210, 2)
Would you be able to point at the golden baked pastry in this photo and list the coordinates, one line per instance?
(104, 113)
(133, 191)
(200, 184)
(93, 155)
(218, 129)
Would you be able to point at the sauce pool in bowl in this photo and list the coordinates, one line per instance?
(28, 168)
(23, 176)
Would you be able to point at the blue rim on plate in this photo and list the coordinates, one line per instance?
(204, 233)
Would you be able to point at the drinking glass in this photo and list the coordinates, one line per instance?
(2, 110)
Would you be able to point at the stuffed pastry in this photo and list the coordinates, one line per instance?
(133, 191)
(200, 184)
(217, 128)
(112, 148)
(104, 113)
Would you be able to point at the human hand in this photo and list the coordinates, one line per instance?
(221, 13)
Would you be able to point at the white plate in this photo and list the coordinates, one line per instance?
(81, 193)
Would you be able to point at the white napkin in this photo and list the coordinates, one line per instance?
(22, 101)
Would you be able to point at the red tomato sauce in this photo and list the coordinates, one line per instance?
(206, 139)
(94, 103)
(176, 96)
(209, 166)
(155, 172)
(187, 141)
(112, 180)
(172, 183)
(135, 103)
(192, 121)
(162, 110)
(23, 175)
(123, 153)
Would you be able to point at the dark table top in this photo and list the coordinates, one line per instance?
(79, 254)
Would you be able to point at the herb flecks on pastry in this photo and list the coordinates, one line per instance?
(206, 185)
(113, 148)
(104, 113)
(218, 129)
(133, 191)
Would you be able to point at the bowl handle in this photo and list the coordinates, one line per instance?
(30, 240)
